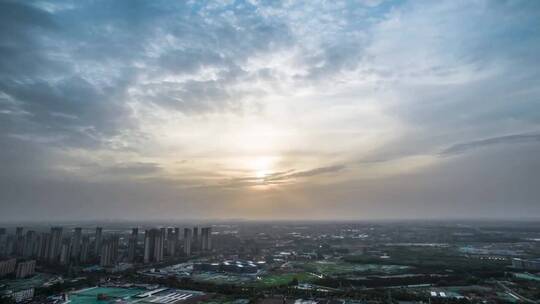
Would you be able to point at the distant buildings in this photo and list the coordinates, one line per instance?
(172, 240)
(159, 245)
(526, 264)
(2, 241)
(196, 236)
(19, 241)
(25, 269)
(30, 244)
(76, 244)
(85, 250)
(109, 251)
(10, 245)
(132, 245)
(187, 241)
(65, 251)
(7, 266)
(22, 269)
(98, 240)
(153, 245)
(48, 247)
(206, 235)
(43, 247)
(56, 247)
(55, 244)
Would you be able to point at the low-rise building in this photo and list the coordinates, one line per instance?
(19, 295)
(23, 295)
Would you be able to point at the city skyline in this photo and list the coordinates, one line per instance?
(269, 110)
(58, 246)
(383, 262)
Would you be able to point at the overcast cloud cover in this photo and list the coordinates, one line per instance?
(269, 109)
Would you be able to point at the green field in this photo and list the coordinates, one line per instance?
(339, 267)
(431, 259)
(267, 280)
(222, 278)
(304, 272)
(89, 296)
(284, 279)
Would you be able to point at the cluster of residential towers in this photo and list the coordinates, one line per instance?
(53, 247)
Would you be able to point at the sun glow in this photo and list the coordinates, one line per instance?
(261, 174)
(262, 166)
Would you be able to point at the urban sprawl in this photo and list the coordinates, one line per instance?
(271, 262)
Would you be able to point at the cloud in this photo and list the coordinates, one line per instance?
(316, 171)
(494, 141)
(80, 62)
(132, 169)
(20, 52)
(282, 178)
(118, 92)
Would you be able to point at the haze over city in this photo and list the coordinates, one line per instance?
(368, 109)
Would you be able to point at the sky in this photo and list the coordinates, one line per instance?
(362, 109)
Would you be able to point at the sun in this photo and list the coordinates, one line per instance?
(262, 166)
(261, 174)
